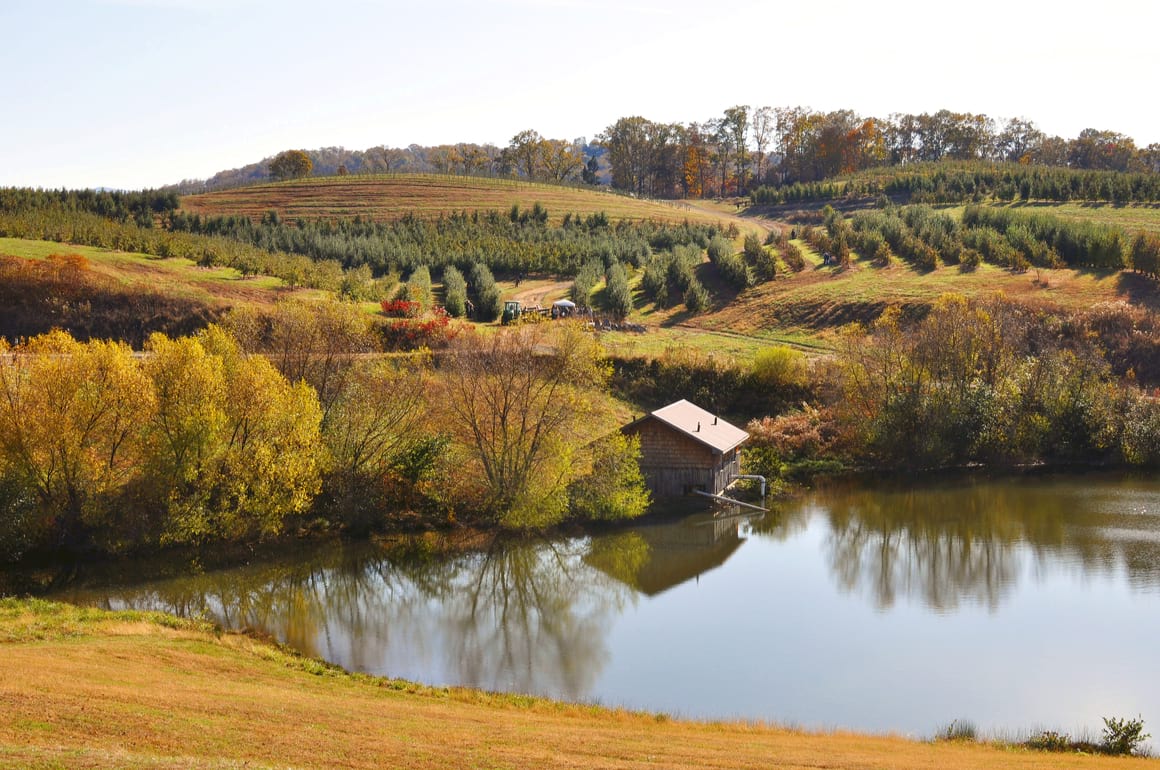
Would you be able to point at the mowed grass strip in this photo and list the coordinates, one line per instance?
(389, 197)
(84, 688)
(1130, 217)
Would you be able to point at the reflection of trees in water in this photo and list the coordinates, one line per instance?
(530, 618)
(527, 617)
(963, 543)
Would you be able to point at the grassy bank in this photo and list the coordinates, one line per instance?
(85, 688)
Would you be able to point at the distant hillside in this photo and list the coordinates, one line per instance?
(390, 197)
(463, 158)
(104, 293)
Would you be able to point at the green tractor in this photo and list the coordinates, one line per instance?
(511, 312)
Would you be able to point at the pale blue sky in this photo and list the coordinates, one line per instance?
(136, 93)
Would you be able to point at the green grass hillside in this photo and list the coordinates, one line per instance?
(105, 293)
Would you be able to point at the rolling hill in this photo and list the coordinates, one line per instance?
(390, 197)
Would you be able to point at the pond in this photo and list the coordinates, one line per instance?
(1015, 604)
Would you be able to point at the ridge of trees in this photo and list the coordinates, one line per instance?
(528, 155)
(743, 149)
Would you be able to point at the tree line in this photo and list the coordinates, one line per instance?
(748, 147)
(527, 155)
(963, 181)
(974, 382)
(141, 207)
(66, 225)
(744, 148)
(274, 422)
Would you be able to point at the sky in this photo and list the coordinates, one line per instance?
(142, 93)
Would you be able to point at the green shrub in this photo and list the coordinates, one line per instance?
(1123, 736)
(1049, 740)
(586, 281)
(615, 488)
(696, 297)
(792, 256)
(454, 292)
(618, 296)
(779, 368)
(488, 301)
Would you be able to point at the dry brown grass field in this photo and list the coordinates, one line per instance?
(390, 197)
(88, 689)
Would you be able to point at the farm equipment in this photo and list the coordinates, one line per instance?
(515, 312)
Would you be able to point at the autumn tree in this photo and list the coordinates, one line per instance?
(70, 421)
(291, 164)
(762, 125)
(378, 424)
(258, 455)
(1018, 140)
(561, 161)
(525, 152)
(695, 167)
(318, 342)
(1103, 150)
(522, 402)
(627, 144)
(736, 124)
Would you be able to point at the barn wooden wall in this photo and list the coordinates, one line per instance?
(674, 464)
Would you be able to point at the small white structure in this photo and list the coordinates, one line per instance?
(563, 308)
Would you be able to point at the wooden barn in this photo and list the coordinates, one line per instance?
(683, 449)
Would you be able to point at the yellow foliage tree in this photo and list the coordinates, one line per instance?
(523, 401)
(247, 446)
(71, 415)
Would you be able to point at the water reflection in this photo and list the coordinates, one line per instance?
(527, 617)
(653, 559)
(640, 616)
(972, 541)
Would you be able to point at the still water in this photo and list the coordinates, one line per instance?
(1014, 603)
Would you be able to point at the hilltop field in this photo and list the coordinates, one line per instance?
(388, 197)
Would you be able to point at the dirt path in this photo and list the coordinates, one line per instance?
(726, 212)
(539, 292)
(815, 350)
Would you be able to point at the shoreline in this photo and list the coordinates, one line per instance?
(85, 688)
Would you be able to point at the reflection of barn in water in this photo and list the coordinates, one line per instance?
(656, 558)
(685, 449)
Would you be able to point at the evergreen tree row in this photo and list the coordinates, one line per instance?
(960, 182)
(518, 242)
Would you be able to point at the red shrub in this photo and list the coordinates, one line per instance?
(400, 308)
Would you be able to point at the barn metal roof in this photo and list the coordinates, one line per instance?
(700, 425)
